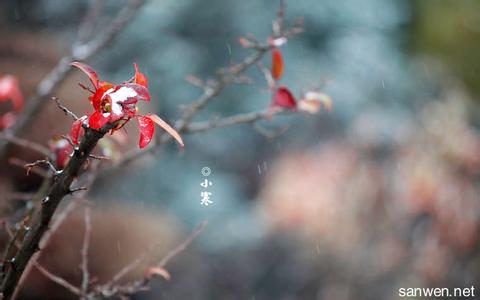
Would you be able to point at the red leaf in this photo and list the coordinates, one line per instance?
(97, 120)
(89, 71)
(76, 129)
(147, 128)
(284, 98)
(10, 90)
(167, 128)
(277, 64)
(140, 78)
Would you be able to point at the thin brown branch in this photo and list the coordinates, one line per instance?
(21, 163)
(85, 247)
(246, 118)
(181, 247)
(99, 157)
(79, 51)
(64, 109)
(113, 289)
(26, 144)
(39, 162)
(58, 280)
(267, 75)
(74, 190)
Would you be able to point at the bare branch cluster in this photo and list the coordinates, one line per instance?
(60, 183)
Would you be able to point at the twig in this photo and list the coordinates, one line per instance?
(99, 157)
(41, 221)
(64, 109)
(21, 163)
(26, 144)
(79, 51)
(82, 188)
(268, 76)
(46, 162)
(112, 289)
(180, 248)
(58, 280)
(246, 118)
(68, 139)
(85, 247)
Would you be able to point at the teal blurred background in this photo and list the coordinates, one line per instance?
(379, 194)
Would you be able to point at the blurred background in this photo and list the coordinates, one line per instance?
(381, 193)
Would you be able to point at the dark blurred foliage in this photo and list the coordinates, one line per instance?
(380, 194)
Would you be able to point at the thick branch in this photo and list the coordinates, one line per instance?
(40, 222)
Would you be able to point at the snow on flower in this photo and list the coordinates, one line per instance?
(117, 104)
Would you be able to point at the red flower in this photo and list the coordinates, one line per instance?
(118, 104)
(283, 98)
(10, 91)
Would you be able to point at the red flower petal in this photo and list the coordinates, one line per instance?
(76, 129)
(147, 128)
(277, 64)
(167, 128)
(284, 98)
(97, 120)
(89, 71)
(140, 78)
(96, 99)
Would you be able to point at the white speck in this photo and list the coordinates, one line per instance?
(259, 170)
(229, 48)
(279, 41)
(383, 83)
(119, 96)
(62, 143)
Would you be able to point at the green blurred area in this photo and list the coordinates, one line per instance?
(449, 30)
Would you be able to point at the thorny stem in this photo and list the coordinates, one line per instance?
(41, 221)
(56, 223)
